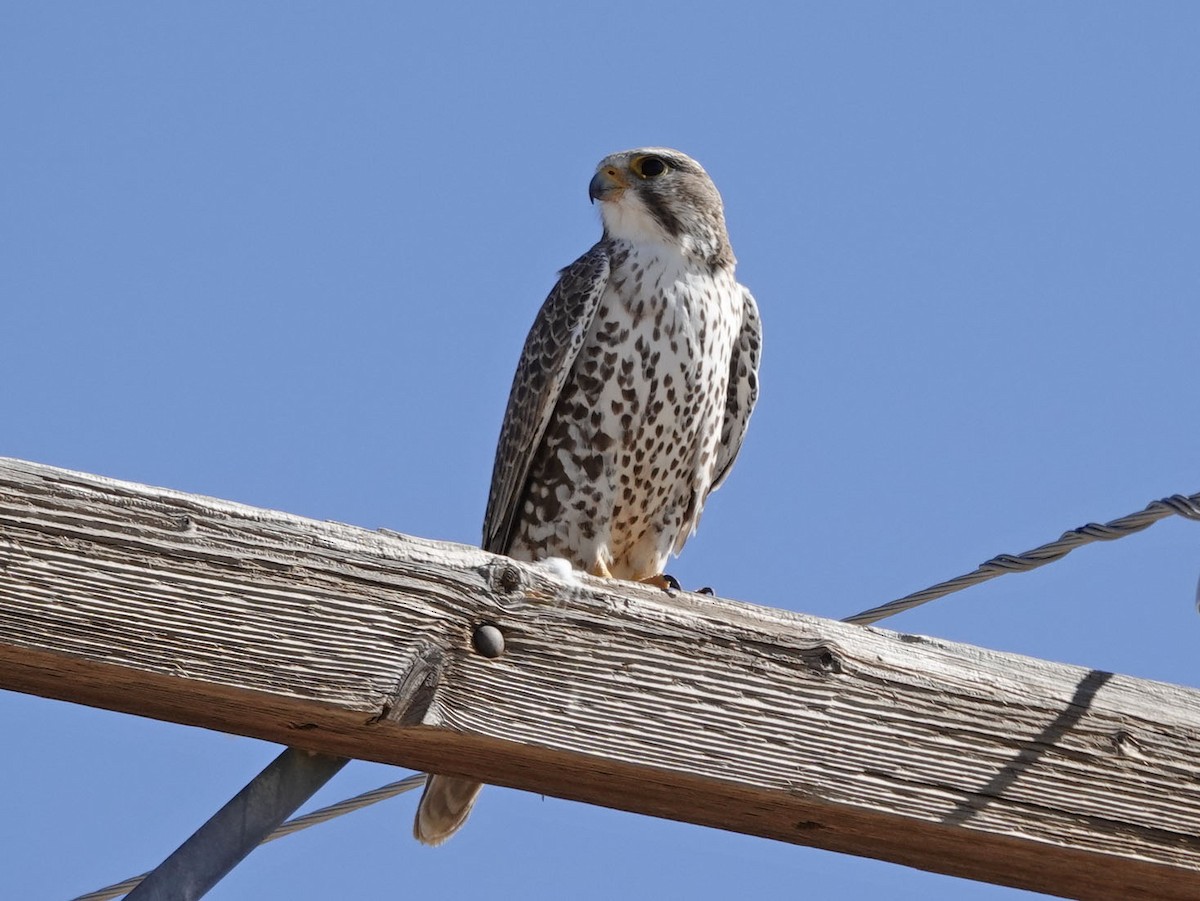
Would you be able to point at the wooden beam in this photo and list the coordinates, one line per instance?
(336, 639)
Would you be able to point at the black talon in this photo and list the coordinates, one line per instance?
(672, 582)
(706, 590)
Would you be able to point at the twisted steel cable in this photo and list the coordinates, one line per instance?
(1177, 504)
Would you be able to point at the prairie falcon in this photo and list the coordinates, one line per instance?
(630, 400)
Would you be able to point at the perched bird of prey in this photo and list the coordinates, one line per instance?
(630, 400)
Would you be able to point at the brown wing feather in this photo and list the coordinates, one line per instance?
(743, 388)
(550, 351)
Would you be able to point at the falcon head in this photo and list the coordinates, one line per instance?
(661, 196)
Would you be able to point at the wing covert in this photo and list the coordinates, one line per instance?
(743, 388)
(549, 354)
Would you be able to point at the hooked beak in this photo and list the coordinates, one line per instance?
(607, 184)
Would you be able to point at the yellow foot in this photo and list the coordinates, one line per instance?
(663, 581)
(600, 570)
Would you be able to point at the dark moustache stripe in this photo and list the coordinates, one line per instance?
(657, 207)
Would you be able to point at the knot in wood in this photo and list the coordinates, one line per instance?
(1125, 744)
(507, 578)
(824, 660)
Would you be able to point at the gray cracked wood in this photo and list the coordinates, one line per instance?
(345, 641)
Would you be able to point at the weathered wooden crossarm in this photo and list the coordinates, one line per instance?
(337, 639)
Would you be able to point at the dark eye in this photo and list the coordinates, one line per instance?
(650, 166)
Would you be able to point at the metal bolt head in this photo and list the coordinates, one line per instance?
(488, 640)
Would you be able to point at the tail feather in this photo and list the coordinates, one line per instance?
(444, 807)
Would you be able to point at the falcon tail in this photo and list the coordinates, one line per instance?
(445, 806)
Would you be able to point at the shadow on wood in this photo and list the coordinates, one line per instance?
(358, 644)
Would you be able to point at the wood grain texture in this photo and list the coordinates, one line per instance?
(323, 636)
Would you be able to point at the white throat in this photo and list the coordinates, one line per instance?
(627, 219)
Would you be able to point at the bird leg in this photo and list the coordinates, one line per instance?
(668, 582)
(663, 581)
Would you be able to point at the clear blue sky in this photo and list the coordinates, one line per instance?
(286, 254)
